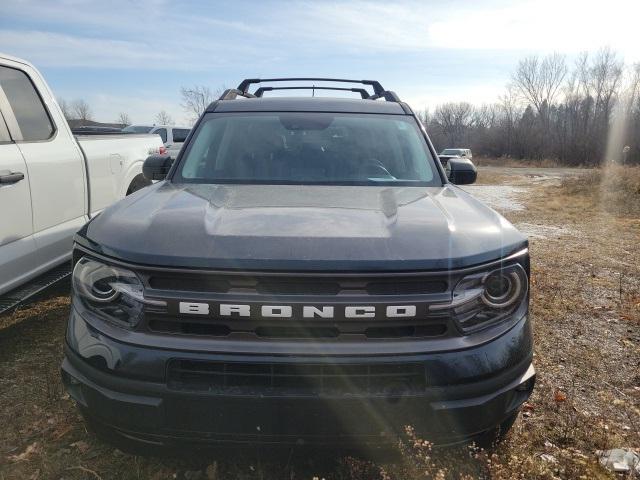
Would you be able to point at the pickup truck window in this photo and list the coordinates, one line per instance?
(30, 113)
(308, 148)
(180, 134)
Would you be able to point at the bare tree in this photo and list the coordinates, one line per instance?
(538, 81)
(509, 108)
(583, 116)
(632, 92)
(123, 119)
(196, 99)
(424, 116)
(163, 118)
(455, 119)
(484, 116)
(66, 108)
(605, 75)
(80, 110)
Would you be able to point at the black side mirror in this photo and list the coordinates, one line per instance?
(156, 167)
(461, 171)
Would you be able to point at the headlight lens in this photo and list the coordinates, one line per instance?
(485, 298)
(502, 289)
(113, 293)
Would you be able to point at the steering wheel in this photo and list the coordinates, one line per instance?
(374, 168)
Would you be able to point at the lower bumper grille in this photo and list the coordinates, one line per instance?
(297, 379)
(168, 325)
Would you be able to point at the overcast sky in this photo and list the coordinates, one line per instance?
(133, 57)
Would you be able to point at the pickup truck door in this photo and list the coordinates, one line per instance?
(55, 165)
(16, 229)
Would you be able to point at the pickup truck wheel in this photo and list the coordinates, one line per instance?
(137, 183)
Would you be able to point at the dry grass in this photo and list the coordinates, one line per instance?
(513, 162)
(586, 311)
(614, 189)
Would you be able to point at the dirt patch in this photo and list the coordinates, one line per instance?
(542, 231)
(503, 198)
(585, 307)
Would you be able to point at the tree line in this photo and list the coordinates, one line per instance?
(584, 113)
(80, 113)
(580, 114)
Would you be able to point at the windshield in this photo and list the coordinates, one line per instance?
(452, 151)
(308, 148)
(137, 129)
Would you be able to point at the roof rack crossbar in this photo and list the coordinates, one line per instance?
(363, 93)
(232, 93)
(244, 85)
(378, 90)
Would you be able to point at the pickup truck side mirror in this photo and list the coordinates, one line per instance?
(461, 171)
(156, 167)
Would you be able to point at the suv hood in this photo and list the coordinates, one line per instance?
(290, 227)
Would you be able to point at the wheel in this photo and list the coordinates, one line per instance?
(137, 183)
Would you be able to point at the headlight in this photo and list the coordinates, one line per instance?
(485, 298)
(113, 293)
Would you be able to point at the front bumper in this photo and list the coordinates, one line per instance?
(123, 387)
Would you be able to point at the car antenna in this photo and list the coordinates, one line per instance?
(313, 90)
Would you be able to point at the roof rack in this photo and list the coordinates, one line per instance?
(378, 91)
(363, 93)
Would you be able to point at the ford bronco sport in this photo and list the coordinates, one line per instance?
(304, 272)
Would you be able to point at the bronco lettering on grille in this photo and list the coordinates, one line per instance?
(305, 311)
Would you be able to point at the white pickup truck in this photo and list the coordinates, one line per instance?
(172, 136)
(51, 182)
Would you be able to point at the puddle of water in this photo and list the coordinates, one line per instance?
(502, 198)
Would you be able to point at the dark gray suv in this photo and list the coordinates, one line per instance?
(304, 272)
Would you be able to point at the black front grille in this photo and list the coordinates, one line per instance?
(297, 285)
(162, 325)
(296, 289)
(289, 329)
(406, 287)
(297, 379)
